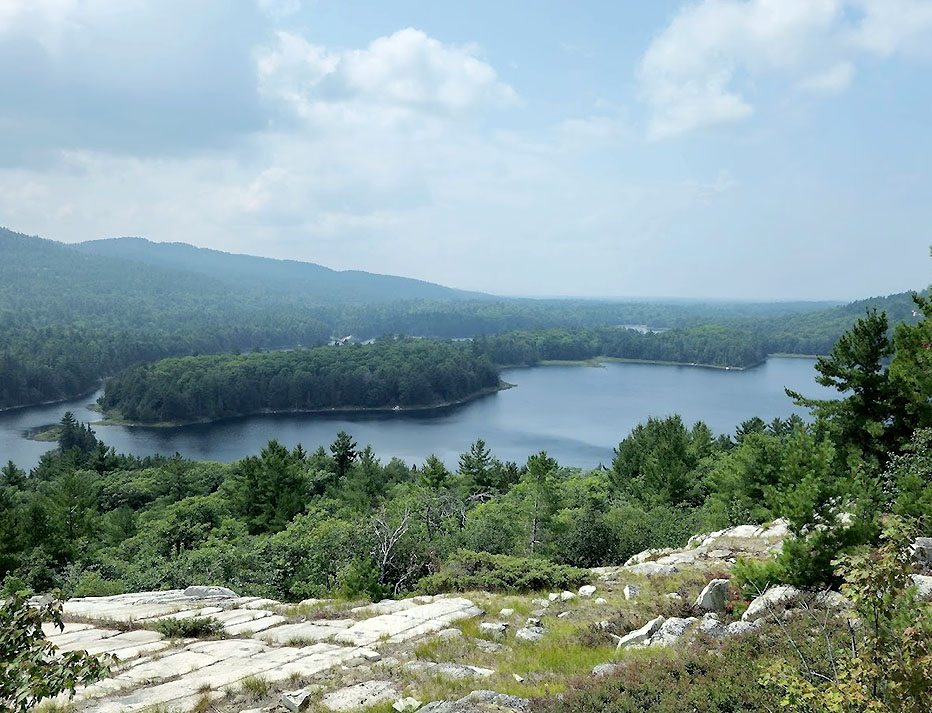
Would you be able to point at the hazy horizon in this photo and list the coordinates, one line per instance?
(716, 149)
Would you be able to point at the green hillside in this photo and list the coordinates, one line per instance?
(303, 280)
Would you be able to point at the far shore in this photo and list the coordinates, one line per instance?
(599, 361)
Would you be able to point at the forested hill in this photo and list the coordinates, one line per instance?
(71, 315)
(815, 332)
(304, 281)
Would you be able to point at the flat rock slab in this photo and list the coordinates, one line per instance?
(305, 632)
(179, 675)
(450, 670)
(362, 695)
(410, 623)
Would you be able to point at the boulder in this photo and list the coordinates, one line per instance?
(605, 669)
(566, 596)
(530, 633)
(674, 596)
(922, 552)
(642, 635)
(406, 705)
(631, 591)
(490, 647)
(587, 590)
(532, 621)
(671, 630)
(832, 600)
(297, 700)
(648, 555)
(711, 626)
(653, 569)
(201, 592)
(553, 596)
(600, 600)
(780, 596)
(923, 584)
(713, 596)
(542, 603)
(737, 628)
(506, 612)
(495, 629)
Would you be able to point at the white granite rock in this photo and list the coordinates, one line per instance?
(776, 597)
(587, 590)
(640, 636)
(362, 695)
(713, 595)
(530, 633)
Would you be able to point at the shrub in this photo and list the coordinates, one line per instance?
(191, 628)
(886, 663)
(682, 680)
(468, 570)
(30, 666)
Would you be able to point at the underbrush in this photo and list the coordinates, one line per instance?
(468, 570)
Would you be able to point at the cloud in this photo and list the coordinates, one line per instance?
(887, 27)
(402, 74)
(835, 79)
(125, 76)
(279, 9)
(702, 68)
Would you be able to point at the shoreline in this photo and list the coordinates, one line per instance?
(351, 410)
(597, 362)
(40, 404)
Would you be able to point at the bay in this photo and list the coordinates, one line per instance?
(577, 414)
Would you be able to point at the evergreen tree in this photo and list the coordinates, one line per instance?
(344, 453)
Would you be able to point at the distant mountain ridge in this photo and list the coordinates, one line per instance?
(307, 280)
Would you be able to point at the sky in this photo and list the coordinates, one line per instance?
(749, 149)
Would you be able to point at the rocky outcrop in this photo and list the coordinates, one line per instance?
(480, 702)
(261, 643)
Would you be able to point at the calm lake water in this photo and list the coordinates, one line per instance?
(577, 414)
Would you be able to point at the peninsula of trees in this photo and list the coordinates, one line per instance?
(389, 373)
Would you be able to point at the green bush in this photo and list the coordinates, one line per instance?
(678, 681)
(468, 570)
(93, 584)
(192, 628)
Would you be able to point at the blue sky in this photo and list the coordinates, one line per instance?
(753, 149)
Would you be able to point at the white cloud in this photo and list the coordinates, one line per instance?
(279, 9)
(688, 72)
(890, 26)
(835, 79)
(402, 74)
(700, 70)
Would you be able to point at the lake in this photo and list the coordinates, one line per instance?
(577, 414)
